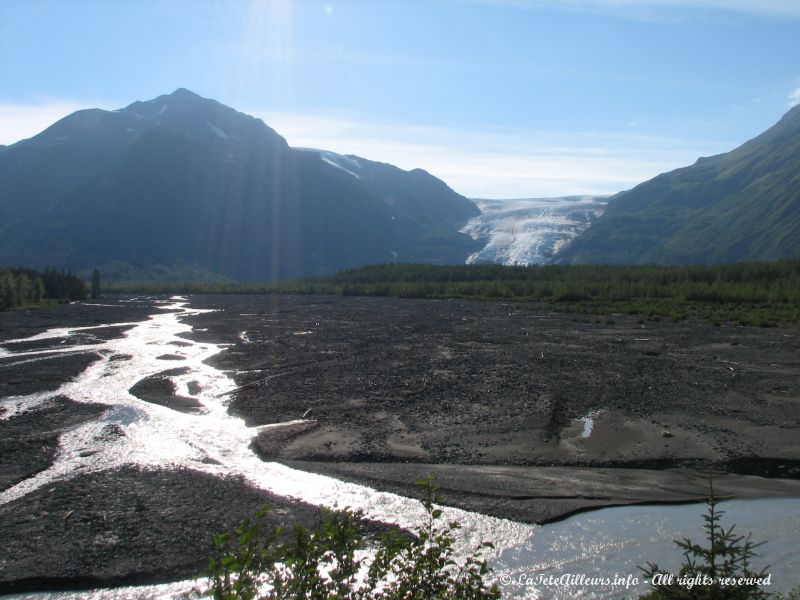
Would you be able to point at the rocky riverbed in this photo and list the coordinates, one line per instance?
(520, 413)
(447, 382)
(70, 521)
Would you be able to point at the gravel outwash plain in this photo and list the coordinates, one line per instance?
(518, 412)
(492, 397)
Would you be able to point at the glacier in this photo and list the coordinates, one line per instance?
(529, 231)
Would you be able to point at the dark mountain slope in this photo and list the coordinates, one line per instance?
(182, 183)
(742, 205)
(407, 196)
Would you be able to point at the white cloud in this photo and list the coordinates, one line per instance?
(794, 97)
(21, 121)
(499, 163)
(489, 163)
(778, 8)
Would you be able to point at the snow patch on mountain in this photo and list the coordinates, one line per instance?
(338, 166)
(529, 231)
(220, 134)
(347, 163)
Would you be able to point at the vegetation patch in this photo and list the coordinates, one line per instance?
(26, 288)
(324, 562)
(764, 294)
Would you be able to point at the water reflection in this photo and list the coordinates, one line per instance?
(611, 542)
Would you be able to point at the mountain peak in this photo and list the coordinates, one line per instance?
(183, 92)
(199, 117)
(181, 97)
(200, 184)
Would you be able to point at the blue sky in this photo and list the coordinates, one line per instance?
(500, 98)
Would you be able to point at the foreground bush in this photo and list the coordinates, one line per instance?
(327, 562)
(720, 570)
(324, 562)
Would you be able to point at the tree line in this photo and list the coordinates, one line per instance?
(20, 287)
(777, 281)
(754, 293)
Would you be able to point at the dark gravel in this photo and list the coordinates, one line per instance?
(159, 389)
(391, 380)
(125, 527)
(28, 441)
(25, 323)
(21, 376)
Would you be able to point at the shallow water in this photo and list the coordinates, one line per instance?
(611, 542)
(606, 543)
(602, 543)
(212, 442)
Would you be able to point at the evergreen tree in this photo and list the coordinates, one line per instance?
(7, 289)
(95, 284)
(720, 570)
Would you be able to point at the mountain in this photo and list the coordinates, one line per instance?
(742, 205)
(417, 201)
(529, 231)
(184, 186)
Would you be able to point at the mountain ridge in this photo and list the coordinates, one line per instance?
(739, 205)
(186, 181)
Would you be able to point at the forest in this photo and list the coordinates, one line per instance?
(753, 293)
(26, 288)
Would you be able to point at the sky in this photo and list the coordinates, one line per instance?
(499, 98)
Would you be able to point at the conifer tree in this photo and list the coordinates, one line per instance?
(95, 284)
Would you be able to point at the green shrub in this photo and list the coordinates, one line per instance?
(707, 570)
(323, 564)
